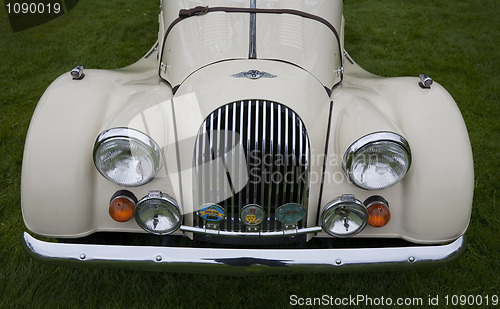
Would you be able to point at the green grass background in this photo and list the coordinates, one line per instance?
(455, 42)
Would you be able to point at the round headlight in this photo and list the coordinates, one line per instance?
(127, 157)
(378, 160)
(158, 213)
(344, 216)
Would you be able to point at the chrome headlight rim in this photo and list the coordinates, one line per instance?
(375, 138)
(130, 134)
(344, 200)
(163, 197)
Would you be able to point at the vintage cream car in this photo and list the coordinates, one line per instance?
(247, 125)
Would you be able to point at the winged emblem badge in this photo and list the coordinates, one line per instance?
(254, 74)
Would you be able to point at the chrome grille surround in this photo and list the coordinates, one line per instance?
(251, 152)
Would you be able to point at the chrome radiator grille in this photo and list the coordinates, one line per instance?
(251, 152)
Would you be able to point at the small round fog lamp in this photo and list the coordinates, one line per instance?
(344, 216)
(158, 213)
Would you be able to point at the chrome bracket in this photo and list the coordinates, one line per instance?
(212, 226)
(154, 194)
(164, 66)
(77, 72)
(339, 71)
(425, 81)
(347, 198)
(292, 226)
(252, 228)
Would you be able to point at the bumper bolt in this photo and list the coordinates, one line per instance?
(83, 256)
(411, 259)
(338, 262)
(158, 258)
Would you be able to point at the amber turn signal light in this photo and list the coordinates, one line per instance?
(378, 211)
(122, 206)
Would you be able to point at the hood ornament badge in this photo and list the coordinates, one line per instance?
(254, 74)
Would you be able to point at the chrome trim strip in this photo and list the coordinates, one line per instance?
(177, 152)
(246, 261)
(152, 50)
(328, 131)
(281, 233)
(252, 53)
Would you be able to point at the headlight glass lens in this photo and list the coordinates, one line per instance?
(127, 157)
(158, 214)
(344, 217)
(378, 160)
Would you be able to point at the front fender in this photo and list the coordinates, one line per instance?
(57, 163)
(433, 202)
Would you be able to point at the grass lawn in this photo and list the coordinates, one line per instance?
(455, 42)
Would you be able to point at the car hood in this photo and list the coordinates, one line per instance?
(198, 41)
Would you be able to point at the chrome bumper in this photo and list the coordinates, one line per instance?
(231, 261)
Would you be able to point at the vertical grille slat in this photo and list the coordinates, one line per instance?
(270, 169)
(278, 185)
(294, 153)
(212, 169)
(301, 151)
(226, 167)
(266, 223)
(220, 187)
(233, 162)
(285, 193)
(240, 196)
(248, 148)
(256, 151)
(273, 142)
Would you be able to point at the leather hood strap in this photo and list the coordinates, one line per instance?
(202, 10)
